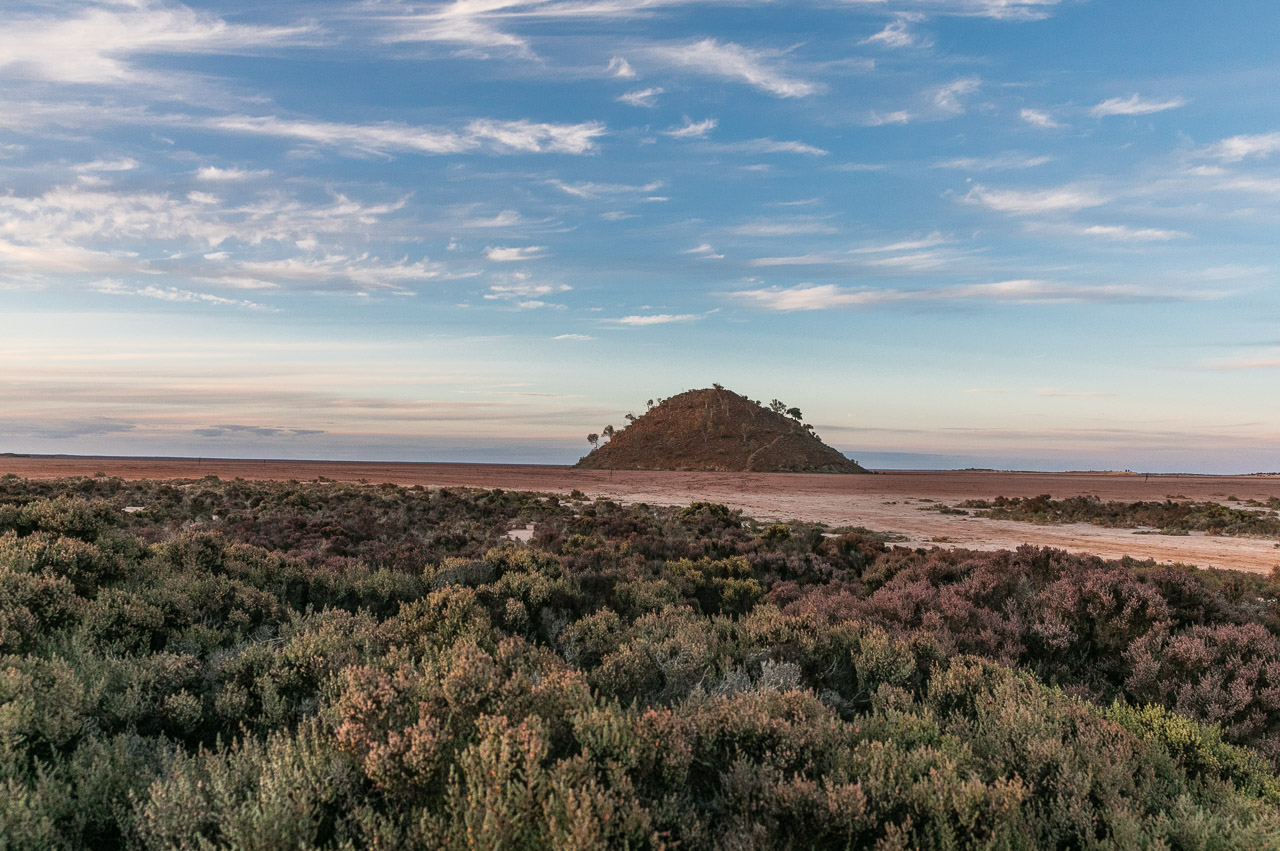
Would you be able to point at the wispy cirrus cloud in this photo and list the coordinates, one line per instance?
(642, 320)
(1040, 118)
(1249, 146)
(704, 251)
(1124, 233)
(1000, 162)
(120, 164)
(175, 294)
(480, 135)
(230, 175)
(620, 68)
(595, 191)
(772, 146)
(729, 61)
(898, 33)
(647, 98)
(473, 27)
(525, 293)
(102, 42)
(902, 248)
(512, 255)
(1004, 10)
(71, 233)
(1135, 105)
(946, 98)
(1060, 199)
(502, 219)
(783, 227)
(883, 119)
(1026, 291)
(692, 129)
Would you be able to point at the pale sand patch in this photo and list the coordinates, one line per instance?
(888, 502)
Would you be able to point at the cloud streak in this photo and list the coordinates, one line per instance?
(807, 297)
(480, 135)
(729, 61)
(1135, 105)
(1062, 199)
(100, 44)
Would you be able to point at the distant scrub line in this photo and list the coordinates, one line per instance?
(236, 664)
(1172, 517)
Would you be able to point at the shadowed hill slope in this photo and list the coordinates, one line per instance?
(717, 430)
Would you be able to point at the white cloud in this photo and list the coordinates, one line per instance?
(1059, 199)
(859, 254)
(465, 23)
(504, 219)
(71, 231)
(897, 33)
(327, 272)
(1017, 10)
(947, 98)
(881, 119)
(704, 251)
(213, 173)
(773, 146)
(175, 294)
(487, 135)
(828, 296)
(857, 167)
(621, 68)
(511, 255)
(98, 44)
(1135, 105)
(657, 319)
(691, 129)
(580, 337)
(1039, 118)
(782, 227)
(647, 98)
(123, 164)
(1245, 147)
(1000, 162)
(525, 294)
(733, 62)
(1122, 233)
(593, 191)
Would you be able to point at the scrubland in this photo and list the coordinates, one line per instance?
(211, 663)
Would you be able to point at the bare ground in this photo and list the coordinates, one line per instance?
(887, 502)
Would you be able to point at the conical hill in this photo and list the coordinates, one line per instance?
(717, 430)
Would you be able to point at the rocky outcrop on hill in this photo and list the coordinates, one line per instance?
(718, 430)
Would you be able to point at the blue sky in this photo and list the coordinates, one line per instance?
(1037, 234)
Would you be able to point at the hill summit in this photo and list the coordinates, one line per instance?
(718, 430)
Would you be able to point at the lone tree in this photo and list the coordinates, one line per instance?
(607, 432)
(593, 439)
(778, 407)
(795, 414)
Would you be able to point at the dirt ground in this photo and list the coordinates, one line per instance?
(894, 501)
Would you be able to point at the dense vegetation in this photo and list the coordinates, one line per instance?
(236, 664)
(1169, 516)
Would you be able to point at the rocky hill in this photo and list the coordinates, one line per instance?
(717, 430)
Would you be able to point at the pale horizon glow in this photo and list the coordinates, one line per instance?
(1024, 234)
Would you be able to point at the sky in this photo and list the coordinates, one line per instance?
(1024, 234)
